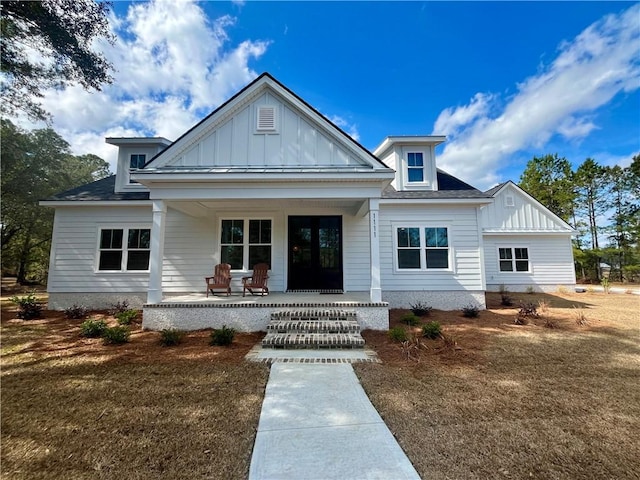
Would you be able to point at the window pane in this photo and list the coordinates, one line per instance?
(105, 238)
(145, 238)
(232, 231)
(403, 237)
(522, 253)
(408, 258)
(111, 238)
(505, 253)
(232, 254)
(138, 260)
(259, 231)
(506, 266)
(442, 238)
(414, 237)
(134, 238)
(137, 161)
(522, 266)
(416, 175)
(414, 159)
(110, 260)
(438, 258)
(259, 254)
(430, 237)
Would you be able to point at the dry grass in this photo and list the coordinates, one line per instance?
(519, 401)
(75, 408)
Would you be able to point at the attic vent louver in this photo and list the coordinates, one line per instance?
(509, 201)
(266, 119)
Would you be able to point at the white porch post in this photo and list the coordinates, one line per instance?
(374, 241)
(154, 294)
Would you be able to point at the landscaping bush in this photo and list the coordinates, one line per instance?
(92, 328)
(170, 337)
(222, 336)
(527, 312)
(28, 306)
(421, 309)
(398, 334)
(119, 307)
(116, 335)
(126, 317)
(581, 318)
(76, 312)
(431, 330)
(410, 319)
(470, 311)
(505, 298)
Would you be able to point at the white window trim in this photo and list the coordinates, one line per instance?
(245, 243)
(513, 260)
(131, 170)
(423, 255)
(125, 249)
(405, 162)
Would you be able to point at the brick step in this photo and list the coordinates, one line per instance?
(313, 326)
(314, 314)
(313, 340)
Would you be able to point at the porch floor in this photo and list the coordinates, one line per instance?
(273, 299)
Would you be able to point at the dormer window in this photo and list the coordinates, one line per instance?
(136, 161)
(415, 167)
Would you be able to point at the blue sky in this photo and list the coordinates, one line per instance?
(503, 80)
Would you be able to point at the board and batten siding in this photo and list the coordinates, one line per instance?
(463, 239)
(550, 262)
(73, 266)
(296, 141)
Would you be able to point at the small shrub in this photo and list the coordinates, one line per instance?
(431, 330)
(398, 334)
(116, 335)
(92, 328)
(421, 309)
(76, 312)
(126, 317)
(527, 312)
(530, 289)
(119, 307)
(470, 311)
(170, 337)
(28, 306)
(550, 323)
(544, 307)
(449, 344)
(581, 318)
(222, 336)
(410, 319)
(506, 299)
(605, 284)
(412, 347)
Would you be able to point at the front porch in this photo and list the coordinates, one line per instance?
(196, 311)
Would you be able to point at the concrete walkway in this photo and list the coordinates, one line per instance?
(317, 423)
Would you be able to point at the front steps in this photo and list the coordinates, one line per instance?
(313, 329)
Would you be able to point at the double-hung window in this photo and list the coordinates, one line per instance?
(514, 259)
(422, 248)
(245, 243)
(124, 249)
(136, 160)
(415, 167)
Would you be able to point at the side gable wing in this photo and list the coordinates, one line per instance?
(515, 211)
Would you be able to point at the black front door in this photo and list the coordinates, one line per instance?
(315, 253)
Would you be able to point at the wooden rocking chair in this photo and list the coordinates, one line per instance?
(257, 281)
(221, 279)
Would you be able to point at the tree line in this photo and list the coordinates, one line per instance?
(600, 203)
(35, 165)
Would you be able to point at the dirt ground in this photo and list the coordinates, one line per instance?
(494, 400)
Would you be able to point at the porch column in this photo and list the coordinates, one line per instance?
(154, 294)
(374, 241)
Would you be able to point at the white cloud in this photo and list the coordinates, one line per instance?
(349, 128)
(601, 62)
(173, 66)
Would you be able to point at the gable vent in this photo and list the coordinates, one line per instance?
(509, 201)
(266, 119)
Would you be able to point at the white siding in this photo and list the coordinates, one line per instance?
(550, 258)
(297, 141)
(75, 245)
(463, 239)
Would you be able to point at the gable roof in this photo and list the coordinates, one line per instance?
(100, 190)
(264, 82)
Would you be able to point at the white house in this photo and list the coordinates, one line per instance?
(267, 178)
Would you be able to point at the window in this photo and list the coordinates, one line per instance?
(422, 248)
(116, 255)
(514, 259)
(415, 167)
(244, 243)
(137, 160)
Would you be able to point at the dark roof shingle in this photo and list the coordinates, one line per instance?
(100, 190)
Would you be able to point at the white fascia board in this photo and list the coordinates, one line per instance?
(118, 141)
(390, 141)
(94, 203)
(150, 178)
(435, 201)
